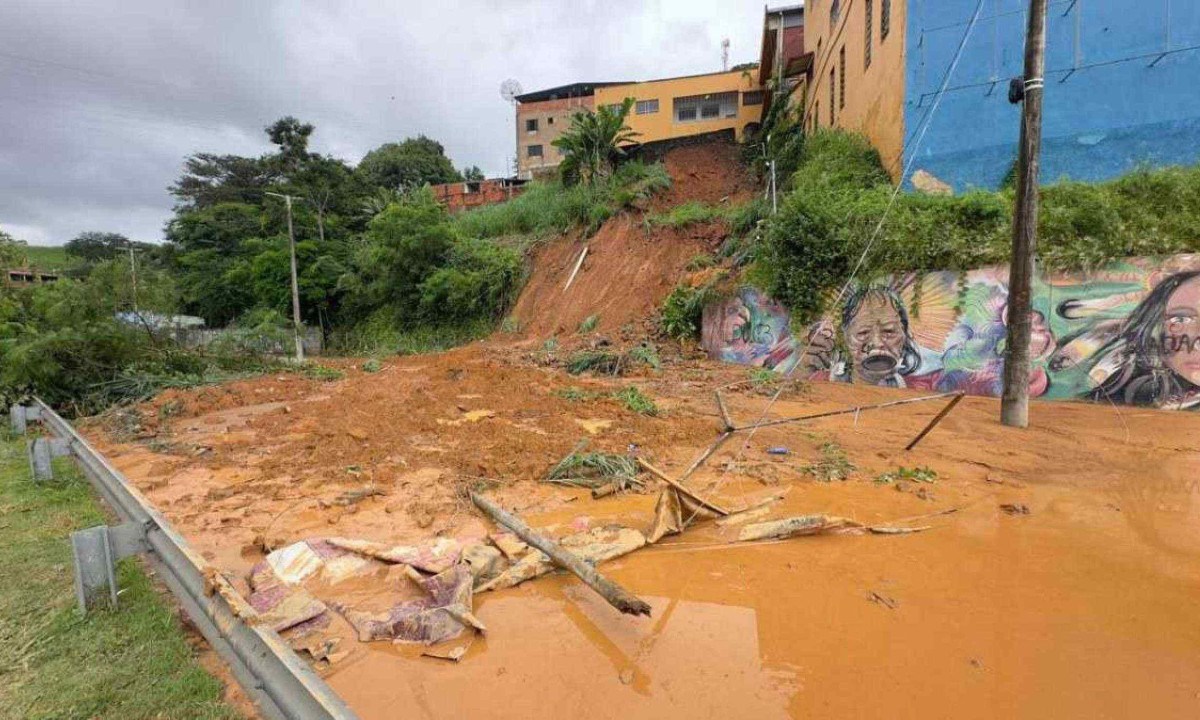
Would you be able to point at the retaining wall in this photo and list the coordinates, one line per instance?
(1128, 334)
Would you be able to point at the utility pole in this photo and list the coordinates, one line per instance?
(133, 277)
(295, 283)
(1014, 403)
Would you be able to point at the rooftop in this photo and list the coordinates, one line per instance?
(579, 89)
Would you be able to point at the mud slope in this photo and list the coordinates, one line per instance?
(631, 268)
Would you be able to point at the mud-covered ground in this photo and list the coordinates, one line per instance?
(1082, 607)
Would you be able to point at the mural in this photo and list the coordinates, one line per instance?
(1129, 333)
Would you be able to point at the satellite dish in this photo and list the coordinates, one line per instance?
(510, 89)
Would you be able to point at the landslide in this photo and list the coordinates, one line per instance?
(632, 266)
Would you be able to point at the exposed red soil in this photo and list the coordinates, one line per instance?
(631, 267)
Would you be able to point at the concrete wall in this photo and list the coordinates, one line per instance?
(1129, 333)
(874, 96)
(1112, 102)
(663, 125)
(553, 117)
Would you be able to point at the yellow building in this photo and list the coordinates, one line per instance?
(857, 75)
(691, 105)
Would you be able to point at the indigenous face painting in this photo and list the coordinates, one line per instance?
(875, 325)
(1128, 334)
(1157, 351)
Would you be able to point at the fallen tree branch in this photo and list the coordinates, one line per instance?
(706, 504)
(617, 596)
(575, 272)
(847, 411)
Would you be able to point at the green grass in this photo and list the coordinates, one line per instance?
(128, 663)
(833, 465)
(589, 324)
(48, 258)
(636, 401)
(545, 208)
(917, 474)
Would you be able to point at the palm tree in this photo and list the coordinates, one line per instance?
(594, 142)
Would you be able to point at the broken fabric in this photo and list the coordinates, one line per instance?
(432, 557)
(441, 616)
(276, 582)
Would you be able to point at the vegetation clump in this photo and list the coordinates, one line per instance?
(839, 196)
(636, 401)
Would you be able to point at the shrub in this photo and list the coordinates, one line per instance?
(683, 311)
(841, 193)
(544, 208)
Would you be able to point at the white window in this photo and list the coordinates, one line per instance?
(706, 107)
(647, 107)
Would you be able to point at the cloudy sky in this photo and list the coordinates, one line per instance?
(101, 101)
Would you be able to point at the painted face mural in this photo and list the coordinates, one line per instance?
(1154, 358)
(1181, 340)
(1128, 333)
(875, 325)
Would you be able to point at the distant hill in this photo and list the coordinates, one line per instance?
(49, 258)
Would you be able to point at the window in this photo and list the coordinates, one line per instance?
(832, 96)
(646, 107)
(533, 151)
(835, 12)
(550, 120)
(885, 19)
(531, 125)
(614, 107)
(868, 9)
(842, 77)
(754, 97)
(706, 107)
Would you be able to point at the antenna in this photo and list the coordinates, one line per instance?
(509, 90)
(725, 55)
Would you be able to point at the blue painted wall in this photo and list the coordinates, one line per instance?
(1112, 103)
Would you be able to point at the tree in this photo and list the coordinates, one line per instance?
(12, 251)
(291, 136)
(209, 180)
(93, 247)
(594, 142)
(408, 164)
(473, 174)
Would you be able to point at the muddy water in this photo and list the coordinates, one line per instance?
(1082, 608)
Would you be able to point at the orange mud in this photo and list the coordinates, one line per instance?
(1083, 608)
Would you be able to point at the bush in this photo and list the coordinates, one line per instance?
(841, 192)
(544, 208)
(683, 311)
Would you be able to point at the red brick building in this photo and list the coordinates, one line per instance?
(460, 196)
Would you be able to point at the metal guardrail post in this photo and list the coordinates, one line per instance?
(273, 676)
(16, 417)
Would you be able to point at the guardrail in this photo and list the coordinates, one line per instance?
(282, 685)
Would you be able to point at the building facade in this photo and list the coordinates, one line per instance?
(680, 107)
(1120, 81)
(541, 117)
(857, 78)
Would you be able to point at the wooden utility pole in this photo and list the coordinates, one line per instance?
(295, 283)
(1014, 403)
